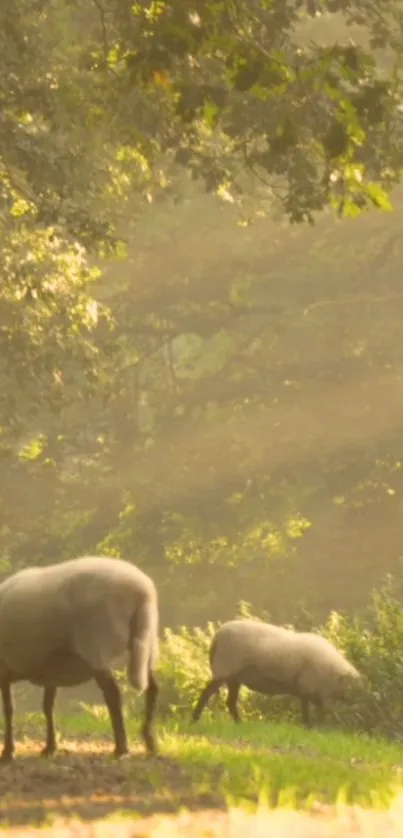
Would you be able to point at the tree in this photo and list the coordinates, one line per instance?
(97, 92)
(246, 100)
(156, 411)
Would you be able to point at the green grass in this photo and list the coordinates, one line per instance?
(242, 765)
(286, 763)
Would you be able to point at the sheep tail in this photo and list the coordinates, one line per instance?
(143, 644)
(212, 650)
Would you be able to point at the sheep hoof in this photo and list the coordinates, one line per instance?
(121, 753)
(149, 742)
(151, 748)
(48, 752)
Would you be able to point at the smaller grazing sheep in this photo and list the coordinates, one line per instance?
(275, 661)
(66, 623)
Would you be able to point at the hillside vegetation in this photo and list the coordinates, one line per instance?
(201, 371)
(215, 398)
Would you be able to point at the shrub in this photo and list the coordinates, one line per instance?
(373, 643)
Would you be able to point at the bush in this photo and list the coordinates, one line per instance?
(184, 667)
(373, 643)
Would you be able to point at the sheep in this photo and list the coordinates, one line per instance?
(275, 661)
(66, 623)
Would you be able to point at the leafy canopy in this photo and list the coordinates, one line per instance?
(248, 97)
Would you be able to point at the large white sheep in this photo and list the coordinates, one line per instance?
(64, 624)
(275, 661)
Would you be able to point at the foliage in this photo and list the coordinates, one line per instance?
(106, 97)
(184, 666)
(373, 643)
(172, 406)
(250, 100)
(229, 430)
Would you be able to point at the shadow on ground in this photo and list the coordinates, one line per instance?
(86, 781)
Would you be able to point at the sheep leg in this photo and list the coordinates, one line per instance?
(320, 710)
(209, 690)
(113, 701)
(305, 712)
(8, 710)
(232, 698)
(151, 697)
(49, 696)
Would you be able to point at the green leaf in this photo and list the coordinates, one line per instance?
(379, 197)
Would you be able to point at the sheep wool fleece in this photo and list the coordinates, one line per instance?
(286, 654)
(81, 606)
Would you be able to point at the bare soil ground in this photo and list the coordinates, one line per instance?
(85, 781)
(85, 793)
